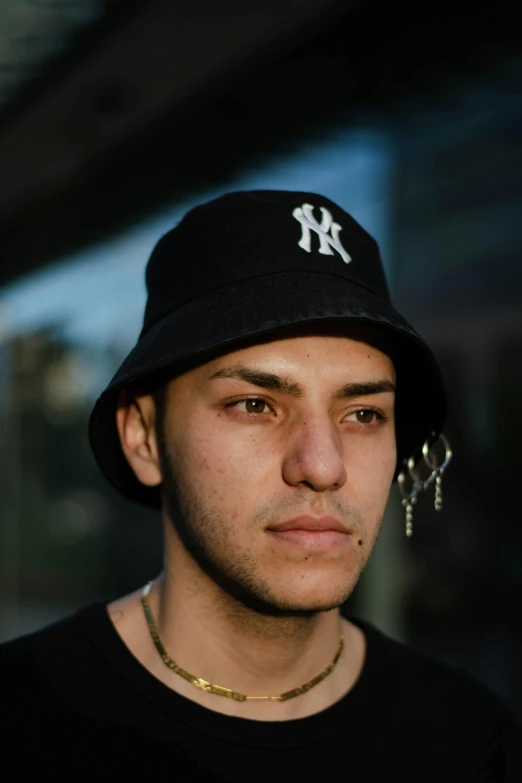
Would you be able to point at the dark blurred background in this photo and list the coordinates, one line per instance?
(116, 117)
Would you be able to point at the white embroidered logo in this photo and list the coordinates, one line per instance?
(305, 216)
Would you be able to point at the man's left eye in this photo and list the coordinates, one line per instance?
(366, 416)
(253, 405)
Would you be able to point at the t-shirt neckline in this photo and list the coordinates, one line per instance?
(297, 732)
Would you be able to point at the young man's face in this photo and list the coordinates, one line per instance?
(298, 428)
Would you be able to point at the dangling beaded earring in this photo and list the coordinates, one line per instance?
(408, 501)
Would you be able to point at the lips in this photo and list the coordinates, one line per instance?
(306, 522)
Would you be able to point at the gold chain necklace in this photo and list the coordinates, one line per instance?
(218, 689)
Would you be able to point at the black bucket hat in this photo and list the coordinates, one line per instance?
(247, 267)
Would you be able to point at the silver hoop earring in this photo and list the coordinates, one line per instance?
(437, 470)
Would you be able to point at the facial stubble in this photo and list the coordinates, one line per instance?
(206, 538)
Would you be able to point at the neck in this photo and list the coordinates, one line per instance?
(217, 638)
(234, 645)
(221, 639)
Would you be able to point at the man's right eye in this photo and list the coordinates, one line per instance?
(253, 405)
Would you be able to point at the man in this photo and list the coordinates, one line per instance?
(272, 398)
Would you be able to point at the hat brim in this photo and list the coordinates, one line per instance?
(259, 307)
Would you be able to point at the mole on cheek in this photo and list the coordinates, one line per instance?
(360, 542)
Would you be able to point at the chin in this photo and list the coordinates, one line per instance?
(304, 607)
(284, 589)
(306, 599)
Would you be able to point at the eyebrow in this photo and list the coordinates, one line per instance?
(269, 380)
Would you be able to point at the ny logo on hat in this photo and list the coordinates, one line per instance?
(305, 216)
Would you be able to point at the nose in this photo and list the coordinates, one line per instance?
(314, 455)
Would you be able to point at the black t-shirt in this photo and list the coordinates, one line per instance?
(76, 705)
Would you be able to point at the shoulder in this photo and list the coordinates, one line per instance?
(442, 706)
(419, 677)
(404, 666)
(43, 656)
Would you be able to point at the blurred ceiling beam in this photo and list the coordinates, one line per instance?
(164, 54)
(168, 98)
(153, 57)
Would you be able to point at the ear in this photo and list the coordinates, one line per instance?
(135, 418)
